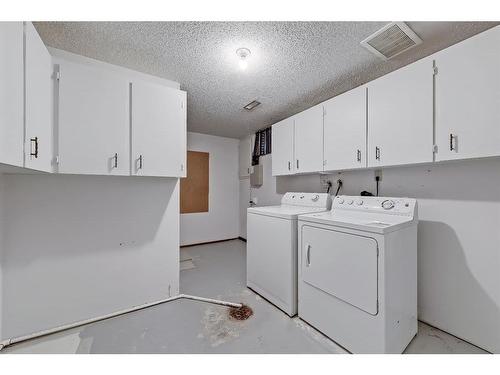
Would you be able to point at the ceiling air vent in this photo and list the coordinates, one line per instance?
(252, 105)
(391, 40)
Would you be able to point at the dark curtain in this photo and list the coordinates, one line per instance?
(262, 145)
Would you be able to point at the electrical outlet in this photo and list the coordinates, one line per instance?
(378, 173)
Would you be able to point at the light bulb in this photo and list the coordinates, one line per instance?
(243, 64)
(243, 54)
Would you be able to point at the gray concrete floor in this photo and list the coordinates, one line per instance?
(185, 326)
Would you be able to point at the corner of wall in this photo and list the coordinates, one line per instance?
(1, 251)
(57, 53)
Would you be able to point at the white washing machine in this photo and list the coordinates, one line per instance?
(272, 247)
(358, 272)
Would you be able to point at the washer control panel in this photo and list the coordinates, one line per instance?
(387, 205)
(308, 199)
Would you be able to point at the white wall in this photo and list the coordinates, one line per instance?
(458, 238)
(221, 221)
(272, 189)
(244, 199)
(76, 247)
(2, 195)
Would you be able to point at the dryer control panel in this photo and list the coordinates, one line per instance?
(307, 199)
(382, 205)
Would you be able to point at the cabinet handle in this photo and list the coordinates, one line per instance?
(452, 143)
(358, 155)
(297, 163)
(35, 141)
(377, 153)
(308, 255)
(289, 166)
(116, 160)
(140, 162)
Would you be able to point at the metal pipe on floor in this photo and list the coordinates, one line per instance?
(16, 340)
(210, 300)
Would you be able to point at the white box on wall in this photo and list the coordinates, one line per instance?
(256, 176)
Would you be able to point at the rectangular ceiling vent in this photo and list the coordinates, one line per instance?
(391, 40)
(252, 105)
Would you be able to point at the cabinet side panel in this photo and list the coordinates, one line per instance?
(109, 243)
(11, 93)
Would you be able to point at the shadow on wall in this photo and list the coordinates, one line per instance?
(465, 180)
(450, 271)
(67, 216)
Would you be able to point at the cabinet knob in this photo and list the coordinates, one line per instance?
(289, 166)
(358, 155)
(116, 160)
(377, 153)
(297, 163)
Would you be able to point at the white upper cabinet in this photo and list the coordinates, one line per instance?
(400, 116)
(93, 125)
(158, 130)
(11, 93)
(245, 156)
(345, 131)
(309, 140)
(39, 102)
(282, 133)
(468, 98)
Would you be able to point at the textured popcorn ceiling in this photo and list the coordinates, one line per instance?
(293, 65)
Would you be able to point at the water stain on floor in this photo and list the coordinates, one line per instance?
(218, 328)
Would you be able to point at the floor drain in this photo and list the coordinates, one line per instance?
(240, 313)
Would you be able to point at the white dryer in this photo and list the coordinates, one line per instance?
(358, 272)
(272, 247)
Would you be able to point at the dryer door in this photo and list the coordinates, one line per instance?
(342, 265)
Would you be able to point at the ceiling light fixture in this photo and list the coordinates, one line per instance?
(243, 54)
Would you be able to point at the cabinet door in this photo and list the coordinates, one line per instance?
(468, 98)
(11, 93)
(309, 140)
(245, 155)
(93, 127)
(158, 130)
(345, 131)
(282, 134)
(39, 102)
(400, 116)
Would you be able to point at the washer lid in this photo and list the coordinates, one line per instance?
(285, 211)
(294, 204)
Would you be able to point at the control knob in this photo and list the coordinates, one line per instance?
(388, 204)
